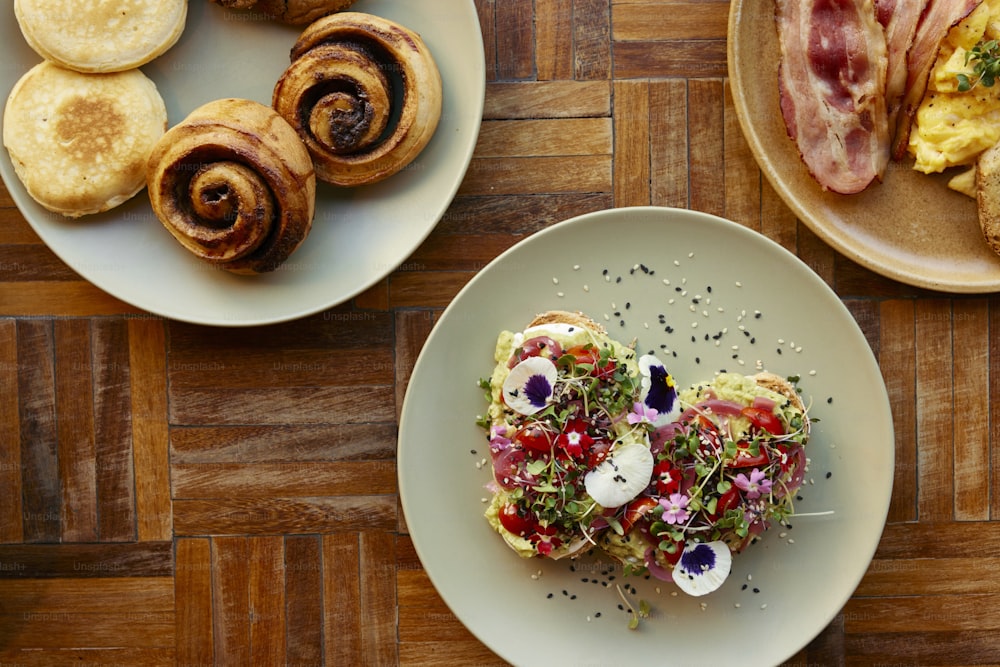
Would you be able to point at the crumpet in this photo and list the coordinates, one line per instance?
(101, 35)
(79, 142)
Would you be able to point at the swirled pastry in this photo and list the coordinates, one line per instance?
(234, 184)
(364, 93)
(79, 142)
(293, 12)
(101, 36)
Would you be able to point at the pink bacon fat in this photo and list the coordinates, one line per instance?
(938, 18)
(831, 82)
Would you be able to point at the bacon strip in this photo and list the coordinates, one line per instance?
(832, 87)
(899, 18)
(938, 18)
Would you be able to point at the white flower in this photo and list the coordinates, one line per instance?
(703, 567)
(530, 384)
(621, 477)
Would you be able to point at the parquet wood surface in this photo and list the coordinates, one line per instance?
(176, 494)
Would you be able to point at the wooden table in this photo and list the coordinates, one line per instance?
(176, 494)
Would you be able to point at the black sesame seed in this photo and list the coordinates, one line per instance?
(618, 279)
(628, 304)
(829, 400)
(829, 475)
(549, 596)
(756, 590)
(597, 615)
(744, 587)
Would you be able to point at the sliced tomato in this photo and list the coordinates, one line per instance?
(635, 511)
(590, 355)
(727, 501)
(513, 521)
(597, 452)
(764, 419)
(747, 459)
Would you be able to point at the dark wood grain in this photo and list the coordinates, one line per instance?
(174, 494)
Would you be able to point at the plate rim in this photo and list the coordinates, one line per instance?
(885, 408)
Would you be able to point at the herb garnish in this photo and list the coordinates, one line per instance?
(986, 55)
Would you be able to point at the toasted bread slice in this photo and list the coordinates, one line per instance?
(101, 36)
(566, 317)
(780, 385)
(79, 142)
(988, 196)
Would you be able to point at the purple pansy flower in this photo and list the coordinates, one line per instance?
(530, 385)
(659, 391)
(703, 567)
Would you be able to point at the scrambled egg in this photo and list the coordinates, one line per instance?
(952, 128)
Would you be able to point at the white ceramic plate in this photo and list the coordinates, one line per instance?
(764, 300)
(910, 228)
(358, 236)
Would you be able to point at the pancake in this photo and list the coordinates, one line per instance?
(101, 35)
(79, 142)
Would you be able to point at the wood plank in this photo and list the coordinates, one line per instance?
(707, 135)
(113, 430)
(276, 480)
(293, 405)
(413, 328)
(993, 393)
(515, 44)
(59, 630)
(743, 179)
(897, 361)
(231, 600)
(234, 369)
(40, 490)
(669, 20)
(276, 444)
(34, 657)
(935, 426)
(267, 600)
(547, 99)
(342, 620)
(304, 600)
(516, 215)
(968, 647)
(931, 576)
(11, 467)
(115, 559)
(434, 289)
(150, 434)
(632, 143)
(545, 137)
(592, 39)
(938, 613)
(76, 448)
(377, 551)
(486, 10)
(118, 595)
(669, 146)
(971, 391)
(554, 39)
(691, 58)
(226, 516)
(533, 175)
(195, 643)
(779, 224)
(69, 298)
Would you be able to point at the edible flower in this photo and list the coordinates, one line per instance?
(703, 567)
(641, 414)
(675, 508)
(574, 439)
(620, 477)
(754, 486)
(530, 385)
(658, 390)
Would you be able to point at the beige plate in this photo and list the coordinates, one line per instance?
(911, 227)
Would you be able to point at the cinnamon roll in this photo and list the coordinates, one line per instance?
(234, 184)
(364, 93)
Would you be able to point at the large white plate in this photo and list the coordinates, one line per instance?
(358, 237)
(764, 299)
